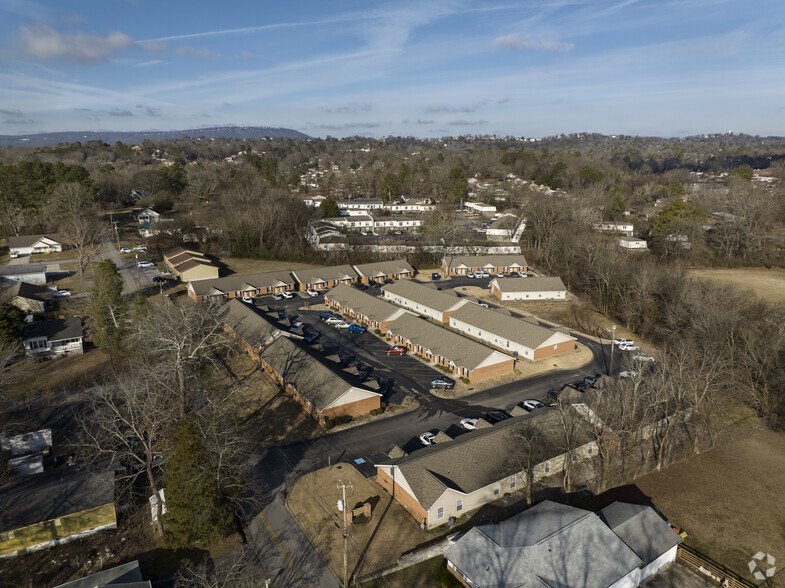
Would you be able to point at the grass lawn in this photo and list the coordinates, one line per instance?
(767, 284)
(431, 572)
(72, 282)
(240, 265)
(52, 257)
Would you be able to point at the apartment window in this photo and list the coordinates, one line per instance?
(440, 513)
(512, 482)
(459, 505)
(497, 488)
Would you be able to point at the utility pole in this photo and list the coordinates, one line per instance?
(138, 279)
(613, 337)
(342, 507)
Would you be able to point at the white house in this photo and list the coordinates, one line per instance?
(148, 215)
(31, 273)
(354, 222)
(479, 208)
(631, 244)
(53, 337)
(617, 228)
(397, 222)
(528, 289)
(27, 244)
(366, 204)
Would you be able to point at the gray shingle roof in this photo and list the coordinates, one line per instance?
(240, 281)
(486, 260)
(30, 240)
(475, 460)
(530, 284)
(383, 268)
(463, 352)
(123, 576)
(22, 269)
(642, 529)
(54, 330)
(549, 544)
(245, 322)
(25, 290)
(424, 295)
(335, 272)
(520, 331)
(374, 308)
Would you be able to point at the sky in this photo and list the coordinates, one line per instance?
(427, 68)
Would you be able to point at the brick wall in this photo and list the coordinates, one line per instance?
(498, 369)
(406, 500)
(353, 408)
(549, 351)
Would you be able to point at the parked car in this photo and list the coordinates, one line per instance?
(15, 255)
(442, 383)
(470, 275)
(323, 316)
(642, 357)
(628, 374)
(469, 424)
(334, 320)
(591, 380)
(478, 274)
(355, 328)
(140, 248)
(427, 439)
(287, 295)
(531, 405)
(144, 263)
(298, 325)
(629, 347)
(363, 287)
(161, 280)
(373, 283)
(62, 294)
(435, 276)
(310, 337)
(500, 275)
(483, 304)
(497, 416)
(125, 250)
(515, 275)
(277, 296)
(485, 275)
(396, 350)
(623, 341)
(311, 292)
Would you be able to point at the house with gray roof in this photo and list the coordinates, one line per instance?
(384, 270)
(127, 575)
(53, 337)
(30, 298)
(550, 544)
(322, 278)
(246, 325)
(423, 299)
(239, 285)
(453, 479)
(28, 244)
(463, 264)
(364, 308)
(462, 356)
(534, 288)
(32, 273)
(516, 336)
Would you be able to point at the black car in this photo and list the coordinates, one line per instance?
(323, 316)
(310, 337)
(497, 416)
(159, 280)
(362, 286)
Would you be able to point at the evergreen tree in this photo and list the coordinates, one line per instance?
(10, 322)
(329, 208)
(108, 306)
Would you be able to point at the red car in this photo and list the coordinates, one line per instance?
(398, 349)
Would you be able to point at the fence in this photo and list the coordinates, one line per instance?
(709, 568)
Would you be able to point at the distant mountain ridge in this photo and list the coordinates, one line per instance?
(43, 139)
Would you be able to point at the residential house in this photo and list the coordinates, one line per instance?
(31, 273)
(139, 194)
(459, 265)
(551, 544)
(354, 222)
(384, 270)
(29, 298)
(479, 208)
(626, 229)
(313, 200)
(365, 204)
(127, 575)
(423, 299)
(397, 222)
(28, 244)
(162, 225)
(322, 278)
(53, 337)
(533, 288)
(364, 308)
(410, 205)
(190, 265)
(452, 479)
(462, 356)
(148, 215)
(519, 337)
(239, 285)
(503, 228)
(631, 244)
(50, 508)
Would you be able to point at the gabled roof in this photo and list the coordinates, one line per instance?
(549, 544)
(486, 260)
(383, 268)
(325, 274)
(241, 281)
(53, 330)
(428, 296)
(480, 458)
(25, 290)
(529, 284)
(125, 575)
(642, 529)
(22, 269)
(30, 240)
(245, 322)
(376, 309)
(526, 333)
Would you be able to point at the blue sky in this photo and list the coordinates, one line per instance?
(428, 68)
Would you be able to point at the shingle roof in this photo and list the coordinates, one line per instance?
(483, 260)
(549, 544)
(22, 269)
(49, 495)
(374, 308)
(480, 458)
(30, 240)
(424, 295)
(519, 331)
(123, 576)
(530, 284)
(240, 281)
(25, 290)
(463, 352)
(245, 322)
(641, 529)
(396, 266)
(327, 274)
(54, 330)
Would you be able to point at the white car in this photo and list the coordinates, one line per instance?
(334, 320)
(144, 263)
(247, 299)
(628, 374)
(287, 295)
(622, 341)
(340, 325)
(629, 347)
(470, 275)
(479, 275)
(312, 292)
(531, 405)
(62, 294)
(483, 305)
(427, 438)
(277, 296)
(125, 250)
(469, 424)
(485, 275)
(642, 357)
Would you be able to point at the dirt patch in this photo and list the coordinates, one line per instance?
(375, 543)
(728, 499)
(767, 284)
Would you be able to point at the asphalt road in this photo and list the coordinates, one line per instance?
(133, 277)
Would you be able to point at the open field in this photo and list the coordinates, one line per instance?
(767, 284)
(728, 500)
(240, 265)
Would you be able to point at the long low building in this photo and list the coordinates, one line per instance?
(514, 335)
(384, 270)
(424, 300)
(367, 309)
(463, 264)
(239, 285)
(322, 392)
(322, 278)
(528, 289)
(190, 265)
(462, 356)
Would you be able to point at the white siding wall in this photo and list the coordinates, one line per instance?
(666, 558)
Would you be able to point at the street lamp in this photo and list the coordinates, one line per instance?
(613, 338)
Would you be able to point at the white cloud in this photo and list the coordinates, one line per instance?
(43, 42)
(192, 52)
(513, 41)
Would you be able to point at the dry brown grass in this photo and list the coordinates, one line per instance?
(252, 266)
(767, 284)
(44, 378)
